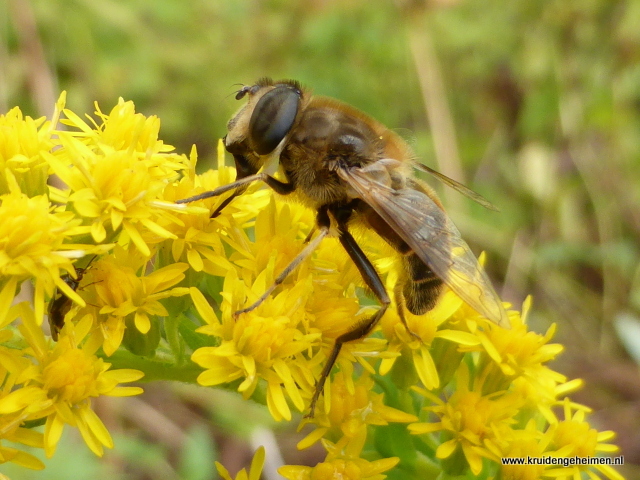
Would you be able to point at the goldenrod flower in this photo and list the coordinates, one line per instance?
(517, 357)
(116, 174)
(122, 292)
(354, 469)
(22, 142)
(576, 438)
(198, 238)
(261, 344)
(31, 247)
(528, 442)
(279, 231)
(60, 385)
(254, 471)
(330, 313)
(124, 129)
(520, 353)
(469, 421)
(352, 408)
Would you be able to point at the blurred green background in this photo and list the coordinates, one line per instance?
(535, 104)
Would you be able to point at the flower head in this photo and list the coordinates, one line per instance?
(22, 143)
(574, 436)
(470, 421)
(353, 405)
(92, 163)
(261, 344)
(31, 247)
(60, 384)
(122, 292)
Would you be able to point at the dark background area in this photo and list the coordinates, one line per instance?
(536, 105)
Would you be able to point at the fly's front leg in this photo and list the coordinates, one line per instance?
(280, 187)
(225, 188)
(245, 166)
(362, 329)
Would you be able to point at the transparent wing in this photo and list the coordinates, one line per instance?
(460, 188)
(432, 236)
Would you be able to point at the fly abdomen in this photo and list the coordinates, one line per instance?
(421, 286)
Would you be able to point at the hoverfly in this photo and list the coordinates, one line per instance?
(60, 304)
(351, 168)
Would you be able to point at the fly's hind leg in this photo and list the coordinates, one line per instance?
(399, 296)
(362, 329)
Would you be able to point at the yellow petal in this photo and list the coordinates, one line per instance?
(223, 472)
(136, 238)
(277, 403)
(204, 309)
(463, 338)
(124, 392)
(6, 297)
(124, 375)
(26, 460)
(256, 464)
(446, 449)
(312, 438)
(195, 260)
(29, 437)
(96, 426)
(382, 465)
(290, 386)
(221, 373)
(420, 428)
(90, 439)
(425, 368)
(19, 399)
(157, 229)
(97, 231)
(116, 218)
(295, 472)
(249, 365)
(52, 433)
(394, 415)
(177, 247)
(143, 324)
(474, 460)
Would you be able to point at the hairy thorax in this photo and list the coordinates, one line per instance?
(326, 137)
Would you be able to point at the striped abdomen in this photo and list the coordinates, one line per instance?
(419, 285)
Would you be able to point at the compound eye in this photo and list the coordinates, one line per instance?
(273, 117)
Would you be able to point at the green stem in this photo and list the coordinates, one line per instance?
(154, 369)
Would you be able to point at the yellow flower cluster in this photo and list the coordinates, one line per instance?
(116, 264)
(79, 254)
